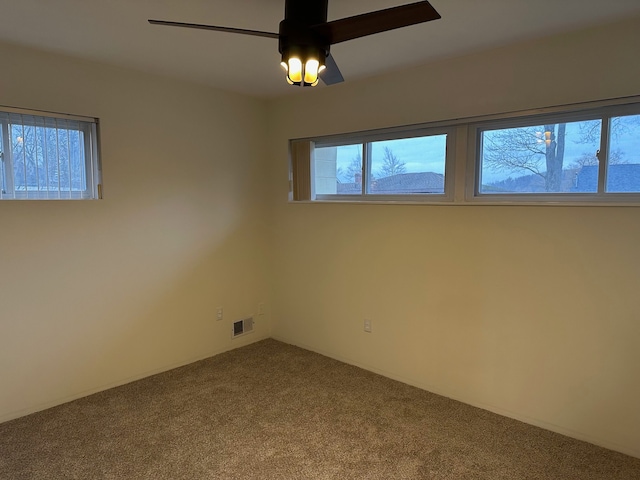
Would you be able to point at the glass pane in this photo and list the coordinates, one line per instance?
(408, 166)
(338, 170)
(550, 158)
(623, 174)
(47, 159)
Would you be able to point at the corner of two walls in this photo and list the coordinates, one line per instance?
(531, 312)
(99, 293)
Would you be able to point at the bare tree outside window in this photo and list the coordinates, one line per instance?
(391, 164)
(541, 152)
(536, 150)
(354, 170)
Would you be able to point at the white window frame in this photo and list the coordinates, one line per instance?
(366, 139)
(462, 169)
(604, 113)
(86, 125)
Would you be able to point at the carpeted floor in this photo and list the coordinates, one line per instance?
(274, 411)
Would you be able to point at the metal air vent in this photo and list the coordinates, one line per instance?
(242, 327)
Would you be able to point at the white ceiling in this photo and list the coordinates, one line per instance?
(117, 32)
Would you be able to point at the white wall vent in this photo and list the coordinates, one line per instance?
(242, 327)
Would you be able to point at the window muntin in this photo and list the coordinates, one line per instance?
(45, 157)
(384, 167)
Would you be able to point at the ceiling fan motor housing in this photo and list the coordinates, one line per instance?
(299, 41)
(296, 39)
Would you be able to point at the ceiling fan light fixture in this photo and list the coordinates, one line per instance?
(303, 64)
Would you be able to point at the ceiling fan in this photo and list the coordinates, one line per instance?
(305, 36)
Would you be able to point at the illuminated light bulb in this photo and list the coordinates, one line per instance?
(295, 70)
(311, 71)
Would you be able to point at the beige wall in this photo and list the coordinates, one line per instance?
(532, 312)
(96, 293)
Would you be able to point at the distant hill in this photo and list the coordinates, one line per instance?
(531, 183)
(622, 178)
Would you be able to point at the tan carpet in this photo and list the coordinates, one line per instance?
(274, 411)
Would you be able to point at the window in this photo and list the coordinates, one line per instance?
(582, 156)
(382, 167)
(544, 158)
(579, 154)
(47, 157)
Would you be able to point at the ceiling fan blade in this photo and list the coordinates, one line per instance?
(242, 31)
(331, 74)
(375, 22)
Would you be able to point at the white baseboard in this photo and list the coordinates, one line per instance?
(633, 452)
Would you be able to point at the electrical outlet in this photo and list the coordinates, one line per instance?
(367, 325)
(219, 313)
